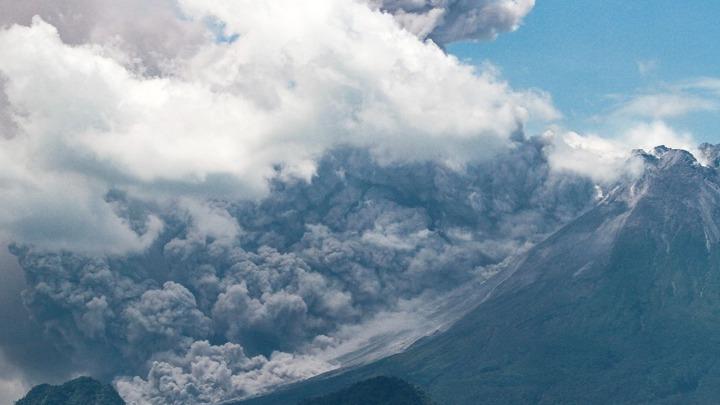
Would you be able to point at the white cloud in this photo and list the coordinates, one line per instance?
(664, 105)
(646, 66)
(640, 121)
(708, 84)
(607, 159)
(648, 135)
(301, 78)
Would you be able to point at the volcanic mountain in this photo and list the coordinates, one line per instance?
(621, 305)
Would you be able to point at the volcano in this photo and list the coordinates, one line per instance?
(621, 305)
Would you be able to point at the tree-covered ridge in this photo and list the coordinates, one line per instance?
(80, 391)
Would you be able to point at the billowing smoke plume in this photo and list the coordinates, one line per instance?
(236, 297)
(297, 80)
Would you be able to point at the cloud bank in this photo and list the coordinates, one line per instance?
(230, 115)
(208, 198)
(606, 159)
(281, 282)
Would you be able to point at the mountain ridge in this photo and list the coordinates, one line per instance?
(79, 391)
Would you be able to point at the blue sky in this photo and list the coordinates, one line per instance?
(593, 56)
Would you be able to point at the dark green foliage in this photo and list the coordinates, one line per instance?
(374, 391)
(80, 391)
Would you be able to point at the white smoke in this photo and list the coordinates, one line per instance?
(300, 79)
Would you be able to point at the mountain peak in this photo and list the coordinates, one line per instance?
(668, 157)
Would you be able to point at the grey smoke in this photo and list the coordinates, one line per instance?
(277, 281)
(151, 32)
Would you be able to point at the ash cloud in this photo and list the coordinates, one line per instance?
(206, 315)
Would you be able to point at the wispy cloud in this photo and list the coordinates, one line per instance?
(647, 66)
(664, 105)
(707, 84)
